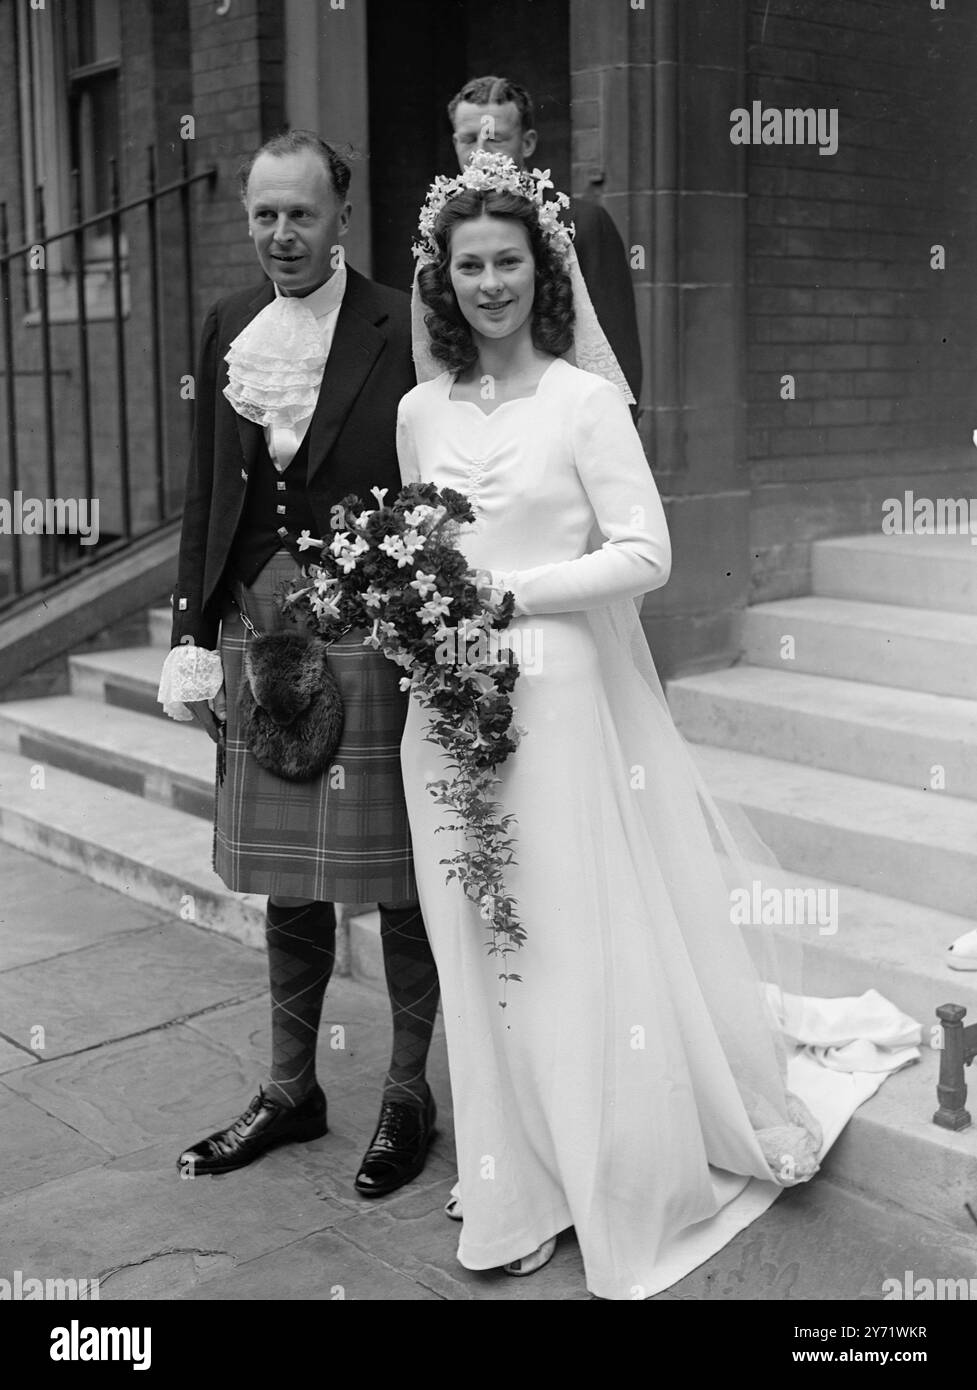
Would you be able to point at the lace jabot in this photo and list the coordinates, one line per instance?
(275, 365)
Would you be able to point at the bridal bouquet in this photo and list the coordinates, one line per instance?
(396, 571)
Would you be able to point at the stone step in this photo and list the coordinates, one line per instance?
(891, 1151)
(917, 571)
(160, 623)
(874, 731)
(915, 845)
(882, 644)
(127, 677)
(154, 854)
(869, 941)
(159, 759)
(164, 763)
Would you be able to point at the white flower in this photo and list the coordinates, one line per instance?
(424, 583)
(306, 542)
(323, 606)
(373, 640)
(379, 493)
(418, 515)
(436, 607)
(413, 542)
(405, 683)
(398, 549)
(347, 552)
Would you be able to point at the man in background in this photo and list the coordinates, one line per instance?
(493, 113)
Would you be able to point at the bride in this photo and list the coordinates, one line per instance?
(636, 1064)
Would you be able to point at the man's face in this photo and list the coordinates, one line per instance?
(496, 128)
(296, 220)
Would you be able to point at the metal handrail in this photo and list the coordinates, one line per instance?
(48, 559)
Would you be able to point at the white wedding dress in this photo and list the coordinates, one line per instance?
(635, 1066)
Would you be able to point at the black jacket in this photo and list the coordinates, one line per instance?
(352, 434)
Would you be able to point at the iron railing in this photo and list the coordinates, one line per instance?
(160, 310)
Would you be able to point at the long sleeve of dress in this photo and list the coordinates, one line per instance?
(410, 468)
(636, 554)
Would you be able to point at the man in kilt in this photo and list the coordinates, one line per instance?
(292, 415)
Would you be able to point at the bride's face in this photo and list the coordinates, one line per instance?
(493, 274)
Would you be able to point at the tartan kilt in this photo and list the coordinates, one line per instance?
(344, 836)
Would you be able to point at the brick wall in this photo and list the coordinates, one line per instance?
(842, 296)
(238, 102)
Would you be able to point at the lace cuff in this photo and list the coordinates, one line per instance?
(189, 673)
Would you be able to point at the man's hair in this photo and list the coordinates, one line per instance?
(495, 91)
(292, 142)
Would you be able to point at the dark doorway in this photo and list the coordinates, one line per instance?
(419, 53)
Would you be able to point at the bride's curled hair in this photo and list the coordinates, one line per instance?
(552, 314)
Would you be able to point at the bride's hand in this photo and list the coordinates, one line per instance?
(488, 590)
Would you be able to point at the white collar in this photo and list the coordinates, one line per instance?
(327, 298)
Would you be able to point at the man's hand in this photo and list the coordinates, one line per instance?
(210, 714)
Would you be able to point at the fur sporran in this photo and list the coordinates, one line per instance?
(290, 705)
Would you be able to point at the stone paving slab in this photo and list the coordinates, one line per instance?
(170, 1084)
(89, 1140)
(138, 1210)
(37, 1148)
(13, 1057)
(118, 988)
(322, 1267)
(354, 1038)
(410, 1232)
(39, 920)
(819, 1241)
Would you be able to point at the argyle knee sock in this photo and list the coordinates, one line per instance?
(412, 981)
(301, 953)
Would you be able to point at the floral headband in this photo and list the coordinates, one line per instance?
(487, 171)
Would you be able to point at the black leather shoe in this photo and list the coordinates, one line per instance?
(398, 1150)
(263, 1126)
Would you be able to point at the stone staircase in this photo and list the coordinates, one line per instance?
(829, 752)
(831, 735)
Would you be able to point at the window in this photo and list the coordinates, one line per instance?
(69, 65)
(92, 53)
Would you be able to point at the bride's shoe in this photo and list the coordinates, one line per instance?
(962, 954)
(536, 1260)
